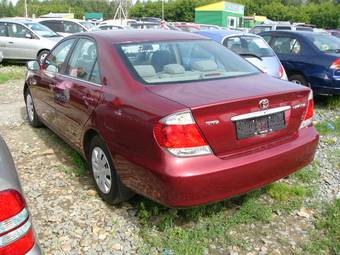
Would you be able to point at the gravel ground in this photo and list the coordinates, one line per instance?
(71, 219)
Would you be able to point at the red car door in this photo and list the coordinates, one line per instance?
(47, 78)
(80, 91)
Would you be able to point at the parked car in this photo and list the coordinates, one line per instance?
(23, 39)
(187, 27)
(252, 47)
(67, 27)
(334, 32)
(311, 59)
(16, 231)
(173, 116)
(286, 26)
(109, 27)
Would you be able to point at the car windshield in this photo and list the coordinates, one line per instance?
(325, 43)
(249, 45)
(41, 30)
(181, 61)
(88, 25)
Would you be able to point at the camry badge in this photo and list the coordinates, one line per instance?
(264, 104)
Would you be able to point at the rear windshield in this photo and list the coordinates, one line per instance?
(181, 61)
(249, 45)
(325, 43)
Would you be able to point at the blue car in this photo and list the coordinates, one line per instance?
(309, 58)
(251, 47)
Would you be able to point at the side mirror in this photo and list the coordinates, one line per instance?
(33, 65)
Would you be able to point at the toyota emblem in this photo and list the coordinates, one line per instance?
(264, 104)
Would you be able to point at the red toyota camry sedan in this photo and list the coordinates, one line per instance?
(170, 115)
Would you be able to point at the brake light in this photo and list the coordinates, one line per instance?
(178, 133)
(282, 73)
(336, 64)
(16, 235)
(308, 119)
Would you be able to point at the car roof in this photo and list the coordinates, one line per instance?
(288, 32)
(219, 35)
(141, 35)
(18, 20)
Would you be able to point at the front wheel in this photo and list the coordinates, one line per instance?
(108, 183)
(33, 118)
(42, 55)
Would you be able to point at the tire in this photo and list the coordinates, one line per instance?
(32, 116)
(298, 79)
(42, 55)
(107, 182)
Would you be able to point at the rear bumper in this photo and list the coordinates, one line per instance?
(327, 90)
(186, 182)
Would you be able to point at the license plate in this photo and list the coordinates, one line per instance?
(260, 125)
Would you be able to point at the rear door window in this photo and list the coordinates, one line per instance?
(72, 27)
(286, 45)
(55, 25)
(83, 62)
(3, 30)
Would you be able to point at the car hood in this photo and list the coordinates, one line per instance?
(195, 94)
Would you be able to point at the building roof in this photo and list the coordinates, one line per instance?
(223, 6)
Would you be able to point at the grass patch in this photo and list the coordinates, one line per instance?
(329, 127)
(79, 167)
(329, 102)
(191, 231)
(11, 73)
(308, 174)
(326, 237)
(283, 192)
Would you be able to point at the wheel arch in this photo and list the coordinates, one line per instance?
(86, 141)
(41, 51)
(297, 72)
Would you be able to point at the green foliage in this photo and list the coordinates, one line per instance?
(329, 225)
(325, 14)
(329, 127)
(11, 73)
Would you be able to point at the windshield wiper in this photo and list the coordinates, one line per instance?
(250, 55)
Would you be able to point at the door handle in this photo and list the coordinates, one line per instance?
(11, 42)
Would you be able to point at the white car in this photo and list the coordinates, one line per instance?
(66, 27)
(24, 39)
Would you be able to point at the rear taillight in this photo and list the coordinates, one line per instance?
(16, 235)
(336, 64)
(282, 73)
(178, 133)
(308, 119)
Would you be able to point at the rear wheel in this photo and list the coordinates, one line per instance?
(298, 79)
(108, 183)
(32, 116)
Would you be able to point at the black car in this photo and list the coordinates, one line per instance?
(309, 58)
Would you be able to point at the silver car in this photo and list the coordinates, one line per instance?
(16, 230)
(23, 39)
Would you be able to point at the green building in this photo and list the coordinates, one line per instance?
(251, 21)
(225, 14)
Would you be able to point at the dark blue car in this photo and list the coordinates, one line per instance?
(309, 58)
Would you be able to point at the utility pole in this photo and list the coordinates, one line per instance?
(26, 12)
(162, 9)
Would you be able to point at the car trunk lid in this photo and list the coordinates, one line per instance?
(216, 104)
